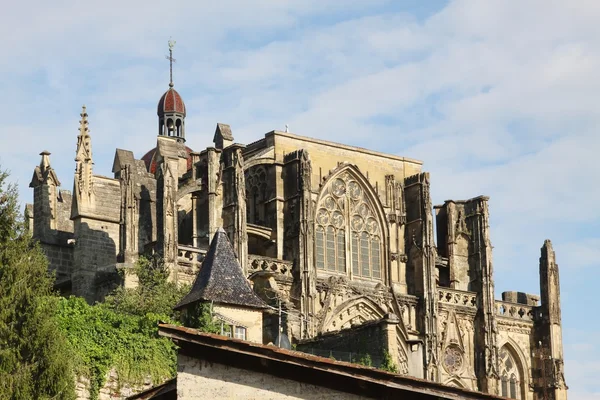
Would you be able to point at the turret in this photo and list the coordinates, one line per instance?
(45, 195)
(171, 108)
(421, 265)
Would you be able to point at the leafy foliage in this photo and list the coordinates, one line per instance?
(104, 339)
(199, 316)
(11, 227)
(35, 358)
(365, 360)
(154, 293)
(122, 332)
(387, 363)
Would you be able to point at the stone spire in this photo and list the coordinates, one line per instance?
(84, 140)
(83, 190)
(44, 173)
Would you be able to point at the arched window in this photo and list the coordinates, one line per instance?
(170, 127)
(178, 127)
(347, 234)
(256, 188)
(510, 375)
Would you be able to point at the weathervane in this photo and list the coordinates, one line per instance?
(171, 60)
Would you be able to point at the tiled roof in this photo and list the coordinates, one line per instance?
(171, 101)
(150, 160)
(221, 278)
(295, 365)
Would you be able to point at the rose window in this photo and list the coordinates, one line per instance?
(453, 359)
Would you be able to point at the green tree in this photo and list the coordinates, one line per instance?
(35, 359)
(198, 316)
(154, 293)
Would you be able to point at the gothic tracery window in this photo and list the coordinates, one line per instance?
(256, 189)
(510, 379)
(453, 359)
(347, 233)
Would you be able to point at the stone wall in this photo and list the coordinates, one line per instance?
(250, 319)
(60, 259)
(53, 228)
(202, 379)
(112, 389)
(351, 344)
(94, 254)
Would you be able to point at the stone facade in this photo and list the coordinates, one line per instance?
(250, 320)
(336, 235)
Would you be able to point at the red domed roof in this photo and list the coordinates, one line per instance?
(171, 101)
(150, 161)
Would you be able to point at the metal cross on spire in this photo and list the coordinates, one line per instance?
(171, 60)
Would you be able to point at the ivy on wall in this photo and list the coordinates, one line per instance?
(122, 332)
(103, 339)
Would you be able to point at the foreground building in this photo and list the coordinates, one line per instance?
(214, 367)
(339, 238)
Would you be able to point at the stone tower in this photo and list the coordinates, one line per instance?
(45, 193)
(551, 384)
(171, 160)
(421, 264)
(95, 215)
(51, 225)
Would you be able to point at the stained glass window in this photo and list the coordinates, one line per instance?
(256, 193)
(330, 248)
(510, 385)
(344, 209)
(320, 249)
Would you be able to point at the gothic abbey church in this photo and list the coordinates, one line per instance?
(341, 237)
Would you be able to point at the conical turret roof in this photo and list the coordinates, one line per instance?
(221, 278)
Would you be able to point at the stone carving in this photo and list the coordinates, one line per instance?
(461, 298)
(516, 311)
(453, 359)
(402, 357)
(461, 226)
(84, 183)
(268, 264)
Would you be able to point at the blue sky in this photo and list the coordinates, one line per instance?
(496, 97)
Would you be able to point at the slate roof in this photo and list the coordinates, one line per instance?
(221, 278)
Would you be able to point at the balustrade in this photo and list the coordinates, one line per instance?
(188, 255)
(514, 310)
(262, 263)
(457, 297)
